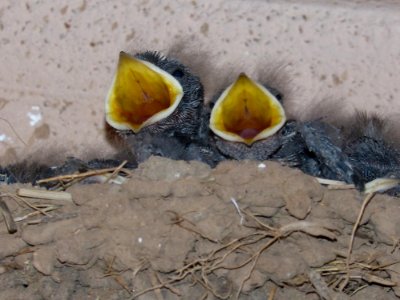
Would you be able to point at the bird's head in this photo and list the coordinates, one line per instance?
(153, 93)
(246, 112)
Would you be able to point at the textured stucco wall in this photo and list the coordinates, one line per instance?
(57, 60)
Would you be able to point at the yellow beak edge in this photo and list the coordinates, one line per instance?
(141, 94)
(246, 112)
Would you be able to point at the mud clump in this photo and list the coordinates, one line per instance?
(180, 229)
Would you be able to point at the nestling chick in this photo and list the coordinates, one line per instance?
(249, 122)
(371, 149)
(157, 105)
(245, 118)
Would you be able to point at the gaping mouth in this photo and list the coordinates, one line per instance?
(246, 112)
(141, 94)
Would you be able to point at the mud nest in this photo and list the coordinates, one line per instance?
(179, 230)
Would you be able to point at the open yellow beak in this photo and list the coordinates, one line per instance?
(246, 112)
(141, 94)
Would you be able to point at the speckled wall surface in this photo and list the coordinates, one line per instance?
(57, 59)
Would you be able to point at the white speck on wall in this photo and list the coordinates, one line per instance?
(4, 138)
(261, 166)
(140, 240)
(35, 116)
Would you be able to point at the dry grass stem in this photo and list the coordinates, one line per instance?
(116, 171)
(179, 220)
(343, 273)
(335, 184)
(263, 237)
(7, 216)
(68, 180)
(45, 194)
(353, 233)
(47, 208)
(272, 293)
(17, 198)
(341, 187)
(381, 185)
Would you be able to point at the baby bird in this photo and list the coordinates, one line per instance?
(245, 119)
(248, 121)
(154, 94)
(156, 103)
(371, 149)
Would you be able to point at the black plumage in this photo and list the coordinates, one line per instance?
(371, 148)
(185, 120)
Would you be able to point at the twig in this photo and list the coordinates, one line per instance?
(209, 288)
(218, 263)
(339, 268)
(358, 289)
(8, 219)
(34, 213)
(255, 259)
(201, 268)
(159, 286)
(261, 224)
(154, 280)
(178, 220)
(15, 197)
(353, 233)
(116, 275)
(320, 285)
(167, 286)
(81, 175)
(116, 171)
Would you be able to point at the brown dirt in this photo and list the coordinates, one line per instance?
(174, 224)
